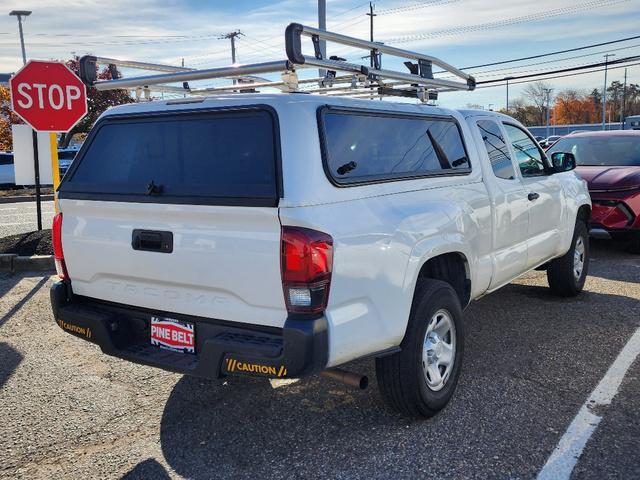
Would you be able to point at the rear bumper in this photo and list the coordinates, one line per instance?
(222, 348)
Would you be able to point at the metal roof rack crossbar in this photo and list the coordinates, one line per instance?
(372, 81)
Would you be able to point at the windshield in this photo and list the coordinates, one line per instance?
(601, 151)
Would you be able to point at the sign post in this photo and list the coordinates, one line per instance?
(49, 97)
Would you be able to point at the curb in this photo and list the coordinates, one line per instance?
(10, 262)
(20, 199)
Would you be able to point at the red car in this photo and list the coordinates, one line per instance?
(610, 163)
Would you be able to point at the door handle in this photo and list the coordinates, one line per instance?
(533, 196)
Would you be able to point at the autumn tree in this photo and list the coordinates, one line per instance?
(97, 102)
(7, 118)
(573, 107)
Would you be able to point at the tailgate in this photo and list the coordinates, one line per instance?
(206, 182)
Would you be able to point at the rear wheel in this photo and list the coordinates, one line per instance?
(567, 274)
(634, 246)
(420, 380)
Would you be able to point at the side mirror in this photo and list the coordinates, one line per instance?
(563, 162)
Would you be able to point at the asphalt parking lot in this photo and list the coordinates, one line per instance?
(21, 217)
(531, 361)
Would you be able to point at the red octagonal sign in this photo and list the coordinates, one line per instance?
(48, 96)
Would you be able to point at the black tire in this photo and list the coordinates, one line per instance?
(560, 272)
(401, 380)
(634, 246)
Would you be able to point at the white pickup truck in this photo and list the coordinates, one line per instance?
(285, 234)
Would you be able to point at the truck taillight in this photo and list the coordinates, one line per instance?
(58, 255)
(307, 260)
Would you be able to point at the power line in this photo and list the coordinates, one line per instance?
(532, 57)
(560, 76)
(426, 4)
(511, 69)
(563, 70)
(508, 21)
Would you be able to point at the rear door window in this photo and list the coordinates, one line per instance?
(373, 146)
(497, 150)
(225, 157)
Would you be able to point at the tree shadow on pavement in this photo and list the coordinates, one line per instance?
(9, 361)
(531, 359)
(147, 469)
(18, 305)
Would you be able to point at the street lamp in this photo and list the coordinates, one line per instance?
(20, 14)
(36, 166)
(507, 79)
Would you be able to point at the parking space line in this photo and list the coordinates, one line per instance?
(564, 458)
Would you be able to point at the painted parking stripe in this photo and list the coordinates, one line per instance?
(565, 456)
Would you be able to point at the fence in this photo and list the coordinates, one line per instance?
(631, 123)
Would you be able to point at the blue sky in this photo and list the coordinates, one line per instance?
(461, 32)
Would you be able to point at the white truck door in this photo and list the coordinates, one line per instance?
(544, 194)
(510, 209)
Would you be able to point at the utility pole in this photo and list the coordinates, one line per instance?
(548, 92)
(36, 161)
(604, 90)
(624, 101)
(322, 25)
(232, 36)
(371, 15)
(507, 79)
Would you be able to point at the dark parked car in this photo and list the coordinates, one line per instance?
(550, 140)
(6, 169)
(610, 163)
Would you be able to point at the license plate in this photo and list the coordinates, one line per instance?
(172, 334)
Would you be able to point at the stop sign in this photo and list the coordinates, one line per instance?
(48, 96)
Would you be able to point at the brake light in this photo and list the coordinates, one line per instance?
(307, 260)
(58, 255)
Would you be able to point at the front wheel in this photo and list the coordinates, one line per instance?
(420, 380)
(567, 274)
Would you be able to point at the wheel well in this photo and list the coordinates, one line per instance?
(452, 268)
(584, 213)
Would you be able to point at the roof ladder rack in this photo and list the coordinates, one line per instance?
(354, 79)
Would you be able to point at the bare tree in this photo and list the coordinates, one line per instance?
(536, 94)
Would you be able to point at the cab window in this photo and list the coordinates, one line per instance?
(497, 150)
(528, 155)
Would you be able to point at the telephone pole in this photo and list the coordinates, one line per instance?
(232, 36)
(548, 92)
(507, 79)
(624, 101)
(371, 15)
(604, 90)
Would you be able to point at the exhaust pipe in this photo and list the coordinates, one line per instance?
(348, 378)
